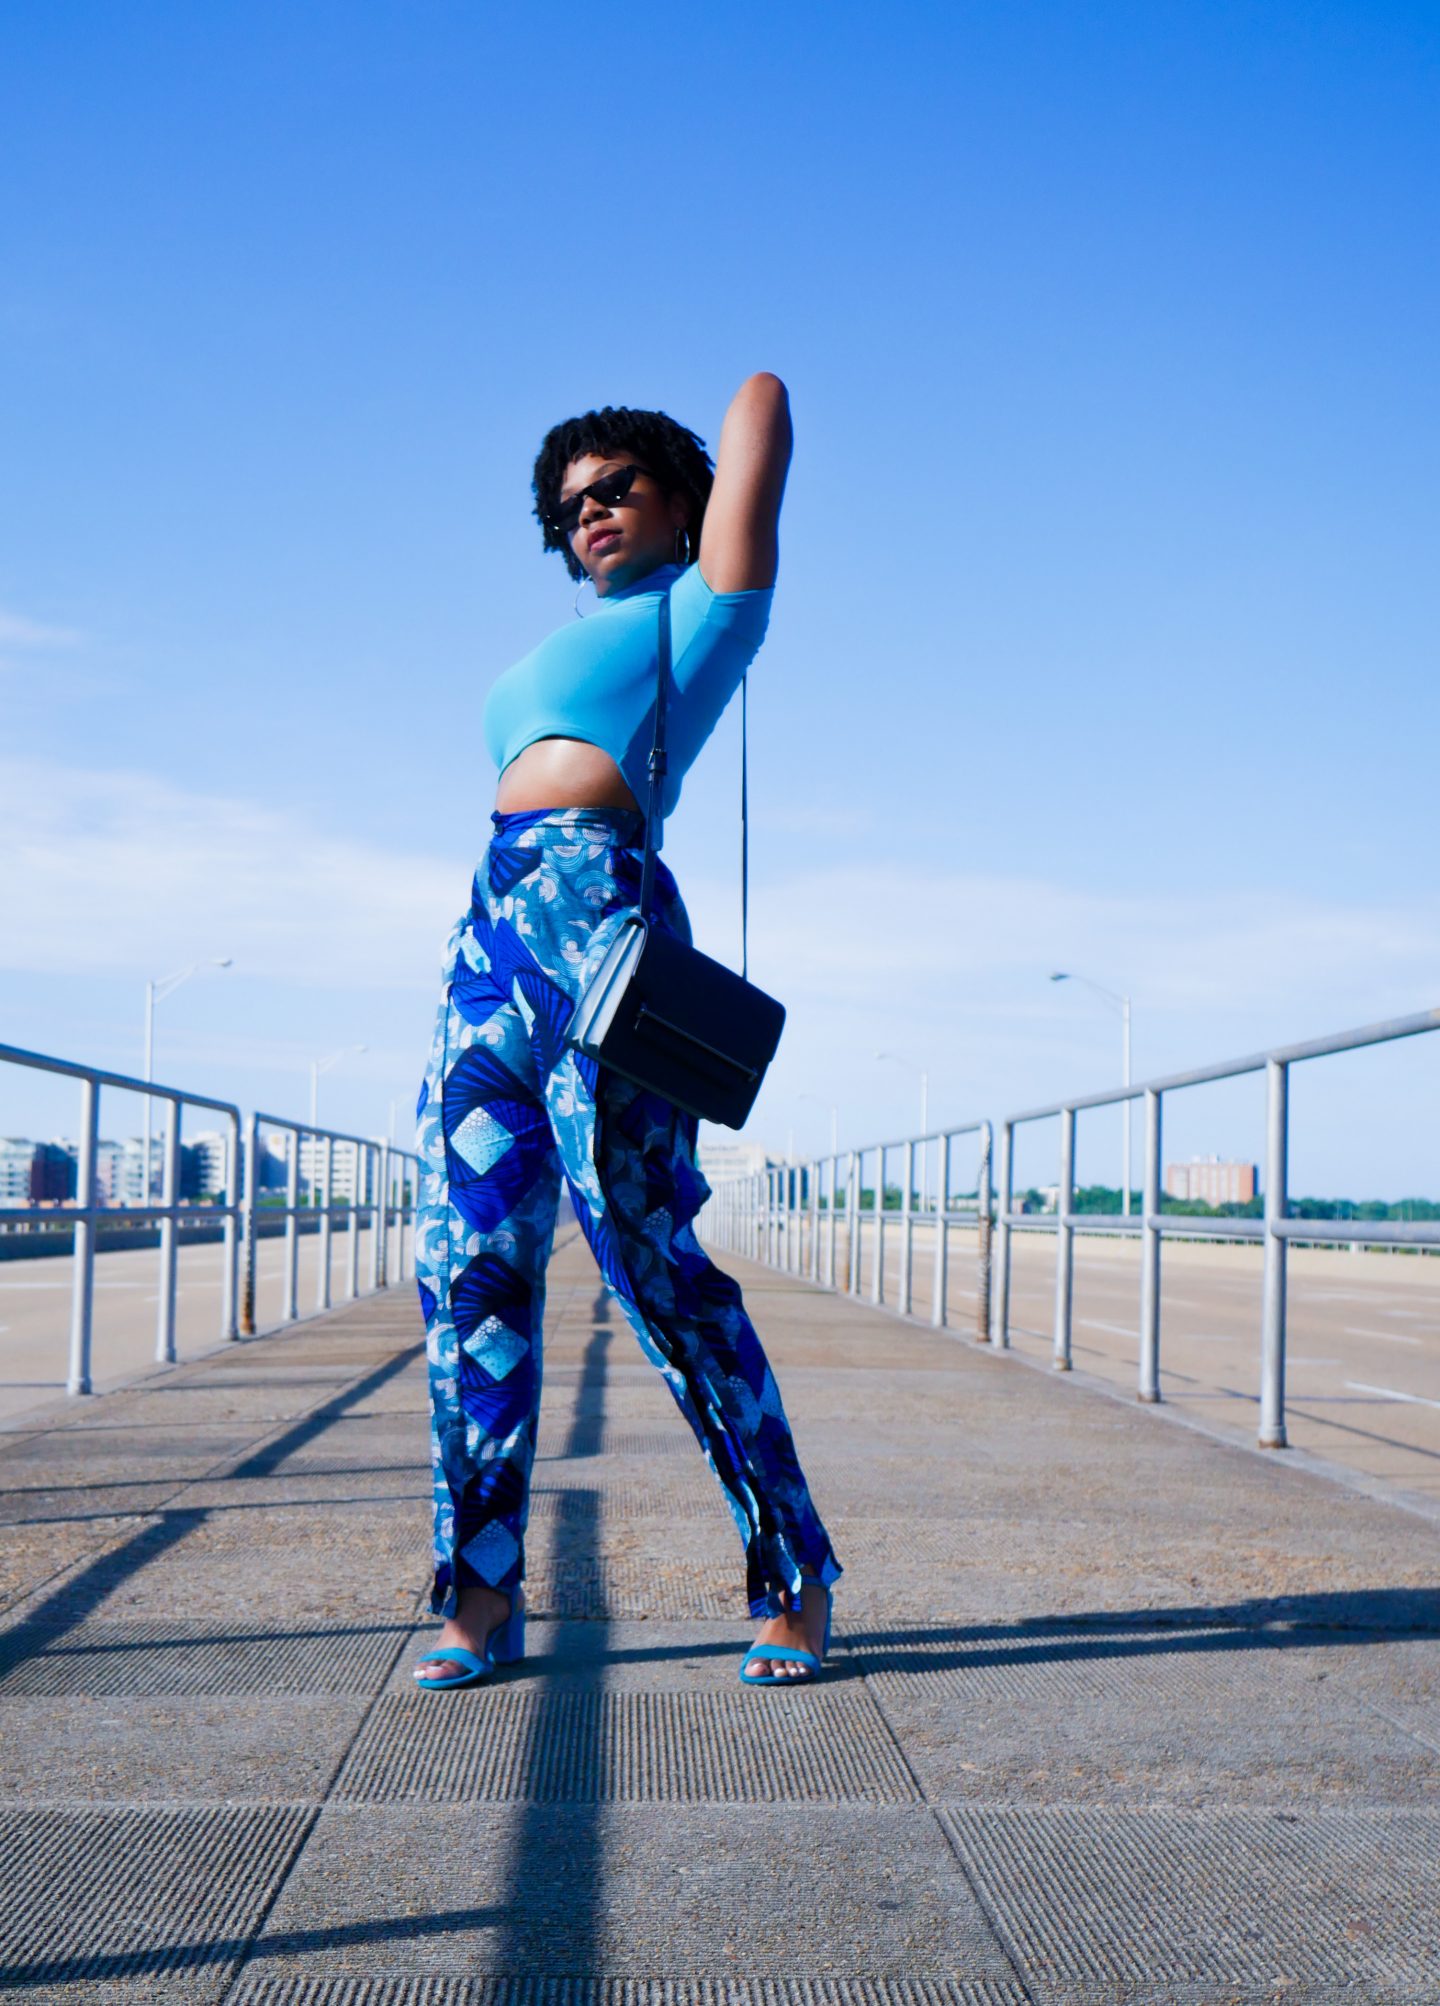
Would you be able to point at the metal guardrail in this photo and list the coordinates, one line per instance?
(776, 1216)
(390, 1199)
(378, 1186)
(1275, 1231)
(756, 1215)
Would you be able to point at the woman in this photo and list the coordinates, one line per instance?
(630, 501)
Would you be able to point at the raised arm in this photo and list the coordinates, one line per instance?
(739, 543)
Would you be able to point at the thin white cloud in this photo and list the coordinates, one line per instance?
(123, 873)
(868, 934)
(21, 635)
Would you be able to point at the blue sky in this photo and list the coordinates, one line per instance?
(1105, 629)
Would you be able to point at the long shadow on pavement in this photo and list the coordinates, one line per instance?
(541, 1856)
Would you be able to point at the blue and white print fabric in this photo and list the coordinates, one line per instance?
(505, 1110)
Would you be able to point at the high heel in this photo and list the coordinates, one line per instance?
(505, 1645)
(770, 1653)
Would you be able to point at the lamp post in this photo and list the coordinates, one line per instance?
(834, 1121)
(319, 1066)
(156, 992)
(1122, 1004)
(909, 1066)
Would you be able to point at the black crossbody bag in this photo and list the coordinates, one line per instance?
(662, 1014)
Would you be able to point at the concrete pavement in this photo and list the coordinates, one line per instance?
(1116, 1711)
(35, 1309)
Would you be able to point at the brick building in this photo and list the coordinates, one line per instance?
(1210, 1180)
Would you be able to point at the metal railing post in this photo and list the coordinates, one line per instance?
(877, 1280)
(907, 1231)
(292, 1226)
(250, 1172)
(82, 1276)
(395, 1246)
(1065, 1240)
(170, 1198)
(380, 1215)
(1005, 1205)
(414, 1213)
(982, 1280)
(814, 1175)
(352, 1273)
(395, 1196)
(939, 1309)
(1149, 1386)
(830, 1252)
(852, 1224)
(1272, 1323)
(229, 1233)
(322, 1292)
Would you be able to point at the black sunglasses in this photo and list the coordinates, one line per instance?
(608, 491)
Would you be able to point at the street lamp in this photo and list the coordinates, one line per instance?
(909, 1066)
(834, 1121)
(1122, 1004)
(319, 1066)
(156, 992)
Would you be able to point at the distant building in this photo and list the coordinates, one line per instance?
(120, 1171)
(1209, 1180)
(206, 1170)
(52, 1173)
(342, 1170)
(17, 1153)
(720, 1161)
(47, 1173)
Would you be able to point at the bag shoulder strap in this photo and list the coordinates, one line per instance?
(654, 818)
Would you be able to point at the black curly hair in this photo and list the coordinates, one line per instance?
(674, 455)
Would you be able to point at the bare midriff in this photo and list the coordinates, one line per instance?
(562, 773)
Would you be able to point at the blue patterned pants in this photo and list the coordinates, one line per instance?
(506, 1109)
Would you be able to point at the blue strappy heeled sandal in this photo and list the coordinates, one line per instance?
(504, 1646)
(783, 1652)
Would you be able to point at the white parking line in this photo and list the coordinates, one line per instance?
(100, 1282)
(1390, 1336)
(1391, 1393)
(1115, 1329)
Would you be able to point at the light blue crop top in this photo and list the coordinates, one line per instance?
(594, 678)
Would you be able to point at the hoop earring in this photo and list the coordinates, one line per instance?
(682, 536)
(586, 580)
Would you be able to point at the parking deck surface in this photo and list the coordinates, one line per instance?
(1116, 1711)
